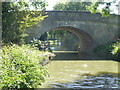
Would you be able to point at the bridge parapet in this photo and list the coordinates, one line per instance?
(82, 16)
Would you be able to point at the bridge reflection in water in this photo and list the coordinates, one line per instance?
(66, 55)
(82, 74)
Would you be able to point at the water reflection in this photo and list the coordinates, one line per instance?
(82, 74)
(75, 55)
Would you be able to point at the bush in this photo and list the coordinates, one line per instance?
(116, 49)
(20, 68)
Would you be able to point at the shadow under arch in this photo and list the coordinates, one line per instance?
(85, 40)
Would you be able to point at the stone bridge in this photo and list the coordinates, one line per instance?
(91, 29)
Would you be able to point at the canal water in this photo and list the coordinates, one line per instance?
(78, 74)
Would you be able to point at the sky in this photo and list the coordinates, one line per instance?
(51, 3)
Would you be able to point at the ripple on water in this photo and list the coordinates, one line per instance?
(91, 82)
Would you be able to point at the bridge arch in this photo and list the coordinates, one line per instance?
(85, 40)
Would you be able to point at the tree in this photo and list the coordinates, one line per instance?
(17, 16)
(104, 8)
(74, 6)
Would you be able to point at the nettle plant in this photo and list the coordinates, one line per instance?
(20, 68)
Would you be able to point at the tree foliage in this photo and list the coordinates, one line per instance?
(93, 8)
(16, 17)
(104, 8)
(116, 49)
(73, 6)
